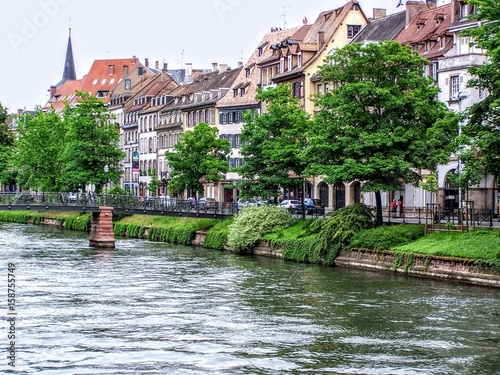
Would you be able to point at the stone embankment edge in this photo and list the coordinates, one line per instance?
(443, 268)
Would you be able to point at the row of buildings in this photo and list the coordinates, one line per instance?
(154, 105)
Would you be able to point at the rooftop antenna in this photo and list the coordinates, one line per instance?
(242, 57)
(284, 15)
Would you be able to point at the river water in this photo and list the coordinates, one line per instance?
(155, 308)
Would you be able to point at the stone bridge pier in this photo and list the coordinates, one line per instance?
(101, 229)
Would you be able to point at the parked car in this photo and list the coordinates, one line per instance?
(188, 204)
(148, 203)
(311, 206)
(72, 197)
(166, 202)
(289, 204)
(208, 204)
(242, 203)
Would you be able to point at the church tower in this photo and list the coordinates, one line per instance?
(69, 73)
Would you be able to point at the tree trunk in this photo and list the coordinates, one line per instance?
(379, 220)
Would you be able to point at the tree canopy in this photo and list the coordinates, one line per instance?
(6, 148)
(380, 120)
(91, 144)
(199, 156)
(273, 144)
(482, 128)
(38, 151)
(54, 153)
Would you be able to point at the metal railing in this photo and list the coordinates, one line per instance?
(136, 204)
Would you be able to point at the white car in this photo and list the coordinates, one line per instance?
(242, 203)
(289, 204)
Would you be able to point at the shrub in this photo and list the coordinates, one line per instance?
(81, 223)
(386, 237)
(254, 222)
(336, 232)
(217, 236)
(305, 249)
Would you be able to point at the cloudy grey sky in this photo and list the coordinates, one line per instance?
(34, 34)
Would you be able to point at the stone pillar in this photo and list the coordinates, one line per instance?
(101, 229)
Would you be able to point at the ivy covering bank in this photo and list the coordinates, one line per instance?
(70, 220)
(313, 240)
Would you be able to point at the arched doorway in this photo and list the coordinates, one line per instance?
(450, 193)
(339, 196)
(324, 193)
(356, 188)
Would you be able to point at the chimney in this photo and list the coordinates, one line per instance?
(52, 91)
(146, 62)
(379, 13)
(134, 59)
(321, 39)
(413, 8)
(215, 67)
(189, 70)
(165, 65)
(157, 65)
(125, 70)
(455, 11)
(164, 73)
(222, 68)
(431, 4)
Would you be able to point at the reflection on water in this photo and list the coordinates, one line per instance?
(154, 308)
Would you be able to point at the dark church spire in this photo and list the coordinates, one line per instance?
(69, 73)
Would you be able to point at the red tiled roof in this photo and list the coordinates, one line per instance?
(425, 30)
(104, 75)
(66, 93)
(250, 83)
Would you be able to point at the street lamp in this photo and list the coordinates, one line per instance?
(106, 170)
(461, 95)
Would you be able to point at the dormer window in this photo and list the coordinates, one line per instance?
(242, 91)
(299, 60)
(282, 65)
(247, 72)
(421, 23)
(289, 63)
(352, 30)
(260, 51)
(235, 93)
(464, 11)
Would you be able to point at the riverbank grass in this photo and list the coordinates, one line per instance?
(179, 230)
(70, 220)
(481, 246)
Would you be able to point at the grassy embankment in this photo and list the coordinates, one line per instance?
(300, 241)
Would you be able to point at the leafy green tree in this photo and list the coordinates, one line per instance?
(430, 184)
(38, 151)
(273, 144)
(3, 114)
(91, 145)
(6, 148)
(380, 120)
(154, 184)
(199, 156)
(482, 130)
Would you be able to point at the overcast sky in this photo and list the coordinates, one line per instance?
(34, 35)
